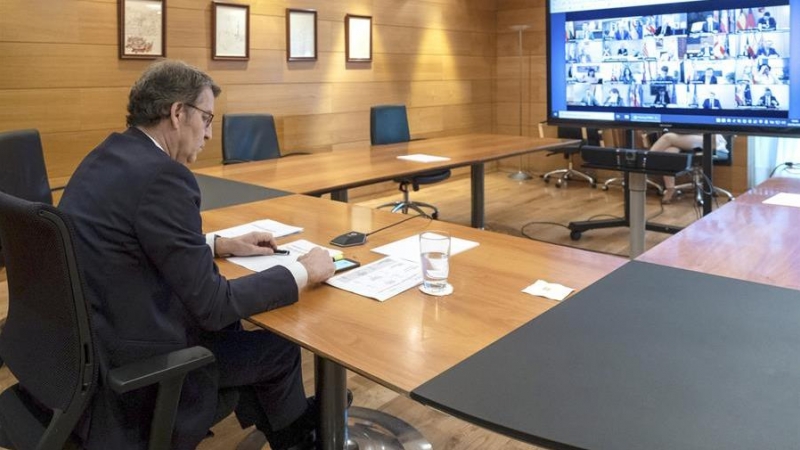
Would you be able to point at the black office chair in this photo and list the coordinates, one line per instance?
(249, 137)
(388, 124)
(721, 156)
(47, 340)
(590, 136)
(22, 172)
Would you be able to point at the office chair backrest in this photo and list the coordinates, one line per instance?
(46, 341)
(388, 124)
(590, 136)
(22, 170)
(249, 137)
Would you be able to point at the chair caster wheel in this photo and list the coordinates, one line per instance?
(435, 216)
(559, 183)
(546, 180)
(575, 235)
(604, 187)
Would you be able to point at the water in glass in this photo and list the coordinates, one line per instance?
(435, 268)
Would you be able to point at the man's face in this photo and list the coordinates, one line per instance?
(193, 130)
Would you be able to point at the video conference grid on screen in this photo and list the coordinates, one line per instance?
(731, 59)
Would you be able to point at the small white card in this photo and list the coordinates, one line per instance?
(276, 228)
(553, 291)
(784, 199)
(419, 157)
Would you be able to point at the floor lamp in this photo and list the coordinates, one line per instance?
(520, 174)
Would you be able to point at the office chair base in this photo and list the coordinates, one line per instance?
(698, 192)
(520, 175)
(404, 206)
(369, 429)
(567, 174)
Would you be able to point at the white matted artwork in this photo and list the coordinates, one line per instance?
(141, 29)
(231, 37)
(301, 35)
(358, 37)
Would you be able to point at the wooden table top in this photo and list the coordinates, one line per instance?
(325, 172)
(744, 239)
(410, 338)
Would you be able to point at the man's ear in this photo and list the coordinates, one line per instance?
(175, 111)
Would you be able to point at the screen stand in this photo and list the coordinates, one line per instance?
(708, 165)
(635, 188)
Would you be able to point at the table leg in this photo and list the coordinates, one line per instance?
(331, 392)
(368, 429)
(477, 179)
(638, 189)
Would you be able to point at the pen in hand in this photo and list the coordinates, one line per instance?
(278, 251)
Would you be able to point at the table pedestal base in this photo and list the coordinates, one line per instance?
(365, 429)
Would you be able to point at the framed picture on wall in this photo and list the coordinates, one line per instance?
(358, 38)
(231, 37)
(142, 25)
(301, 35)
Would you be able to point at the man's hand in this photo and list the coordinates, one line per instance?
(250, 244)
(318, 264)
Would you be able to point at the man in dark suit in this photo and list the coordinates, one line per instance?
(768, 100)
(712, 102)
(767, 22)
(153, 285)
(708, 77)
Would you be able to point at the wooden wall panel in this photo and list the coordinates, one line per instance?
(59, 71)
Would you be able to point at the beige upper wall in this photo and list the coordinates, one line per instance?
(59, 71)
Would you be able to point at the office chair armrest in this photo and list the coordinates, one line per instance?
(153, 370)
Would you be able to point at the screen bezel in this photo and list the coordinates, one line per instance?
(794, 57)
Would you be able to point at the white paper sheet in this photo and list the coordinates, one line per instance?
(296, 249)
(408, 248)
(784, 199)
(419, 157)
(381, 280)
(276, 228)
(553, 291)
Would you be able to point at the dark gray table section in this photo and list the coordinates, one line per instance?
(219, 192)
(649, 357)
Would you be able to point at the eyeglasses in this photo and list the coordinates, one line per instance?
(207, 116)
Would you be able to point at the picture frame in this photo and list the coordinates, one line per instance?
(301, 34)
(142, 29)
(230, 39)
(358, 38)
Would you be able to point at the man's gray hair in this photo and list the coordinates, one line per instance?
(162, 84)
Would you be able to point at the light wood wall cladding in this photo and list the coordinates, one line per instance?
(59, 71)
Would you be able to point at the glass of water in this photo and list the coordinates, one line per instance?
(434, 247)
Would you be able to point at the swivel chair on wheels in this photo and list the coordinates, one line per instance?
(590, 136)
(721, 156)
(389, 125)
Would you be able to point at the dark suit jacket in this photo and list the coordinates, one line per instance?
(712, 104)
(151, 281)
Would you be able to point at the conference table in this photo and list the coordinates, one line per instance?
(695, 344)
(411, 338)
(334, 172)
(745, 239)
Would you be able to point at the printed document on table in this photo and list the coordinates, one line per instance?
(381, 280)
(784, 199)
(296, 249)
(276, 228)
(408, 248)
(419, 157)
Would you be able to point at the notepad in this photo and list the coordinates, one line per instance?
(784, 199)
(296, 249)
(408, 248)
(276, 228)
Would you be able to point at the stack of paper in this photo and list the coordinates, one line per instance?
(408, 248)
(381, 280)
(296, 249)
(419, 157)
(276, 228)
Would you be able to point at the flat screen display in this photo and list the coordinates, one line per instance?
(723, 65)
